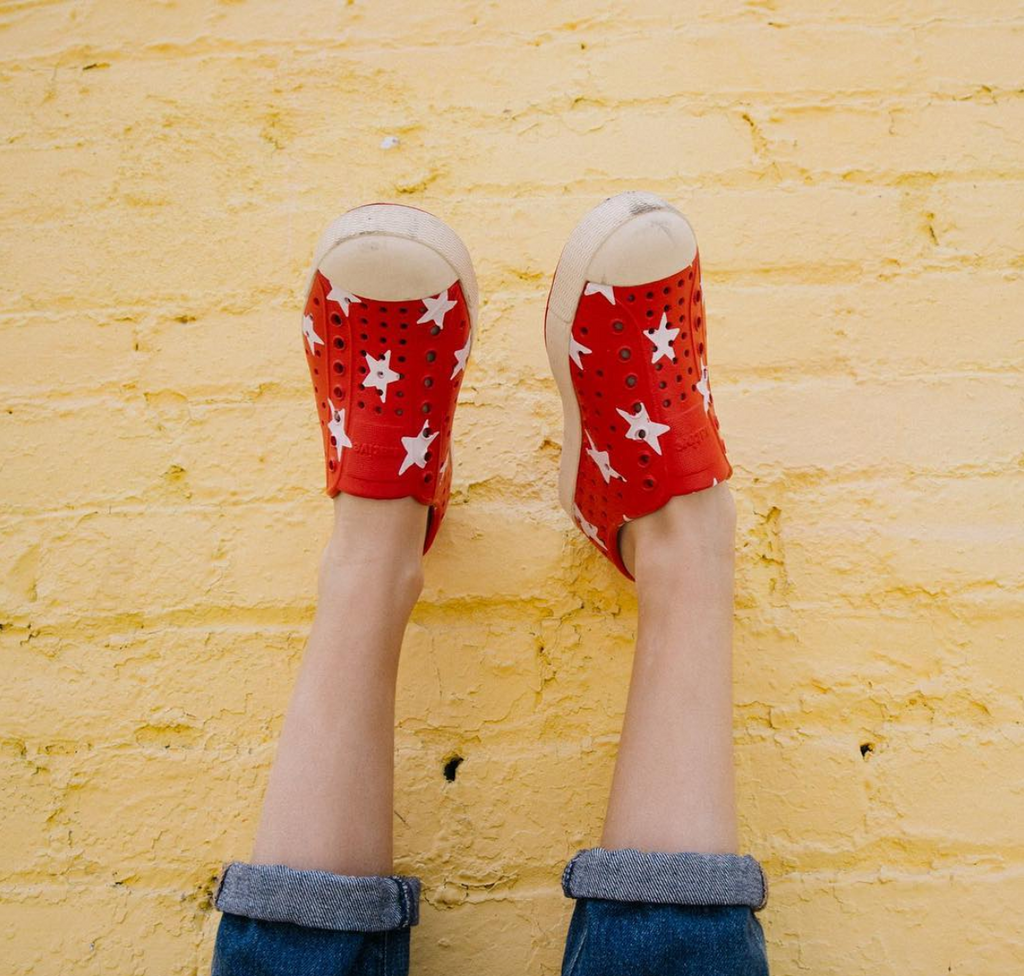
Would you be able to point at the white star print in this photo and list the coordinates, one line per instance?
(342, 297)
(461, 357)
(436, 309)
(416, 448)
(642, 428)
(336, 425)
(704, 388)
(603, 461)
(589, 529)
(310, 333)
(662, 338)
(593, 288)
(577, 348)
(380, 374)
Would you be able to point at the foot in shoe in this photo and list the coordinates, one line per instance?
(627, 338)
(387, 327)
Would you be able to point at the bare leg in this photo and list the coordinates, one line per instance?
(329, 802)
(673, 788)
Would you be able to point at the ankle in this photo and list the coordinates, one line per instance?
(376, 543)
(696, 527)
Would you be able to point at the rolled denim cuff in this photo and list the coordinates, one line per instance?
(667, 879)
(318, 899)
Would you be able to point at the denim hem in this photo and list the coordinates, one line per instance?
(319, 899)
(668, 879)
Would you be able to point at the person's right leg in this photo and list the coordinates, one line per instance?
(642, 472)
(666, 893)
(673, 786)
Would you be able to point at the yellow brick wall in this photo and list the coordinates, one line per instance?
(855, 172)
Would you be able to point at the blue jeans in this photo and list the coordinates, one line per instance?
(636, 914)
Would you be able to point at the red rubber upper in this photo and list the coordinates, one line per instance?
(386, 378)
(649, 427)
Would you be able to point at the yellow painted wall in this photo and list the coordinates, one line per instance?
(855, 172)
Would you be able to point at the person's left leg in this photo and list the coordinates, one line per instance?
(318, 897)
(322, 858)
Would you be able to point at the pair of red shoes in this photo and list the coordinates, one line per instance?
(388, 328)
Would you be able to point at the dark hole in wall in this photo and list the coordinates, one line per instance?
(451, 766)
(866, 748)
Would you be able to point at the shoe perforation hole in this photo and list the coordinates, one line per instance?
(335, 318)
(431, 355)
(618, 326)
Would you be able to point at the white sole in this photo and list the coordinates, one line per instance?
(387, 221)
(574, 270)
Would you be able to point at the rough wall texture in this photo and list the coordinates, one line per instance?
(856, 176)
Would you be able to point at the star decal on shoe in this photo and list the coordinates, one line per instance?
(576, 349)
(593, 288)
(704, 387)
(380, 374)
(642, 428)
(436, 309)
(342, 297)
(336, 426)
(461, 358)
(416, 448)
(312, 339)
(588, 528)
(603, 461)
(662, 338)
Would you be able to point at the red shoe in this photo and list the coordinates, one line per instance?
(627, 341)
(388, 325)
